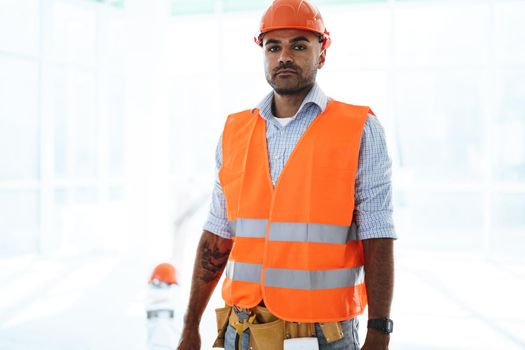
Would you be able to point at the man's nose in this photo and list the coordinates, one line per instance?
(285, 56)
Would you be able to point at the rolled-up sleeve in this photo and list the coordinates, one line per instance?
(217, 222)
(373, 187)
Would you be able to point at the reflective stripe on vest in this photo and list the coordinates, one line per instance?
(294, 232)
(318, 233)
(296, 279)
(314, 280)
(243, 272)
(255, 228)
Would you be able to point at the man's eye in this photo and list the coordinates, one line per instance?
(273, 48)
(299, 47)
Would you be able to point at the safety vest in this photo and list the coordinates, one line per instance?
(295, 244)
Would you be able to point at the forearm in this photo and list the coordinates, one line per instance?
(379, 275)
(379, 279)
(212, 254)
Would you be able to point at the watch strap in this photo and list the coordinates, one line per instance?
(384, 325)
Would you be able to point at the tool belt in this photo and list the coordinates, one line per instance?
(267, 332)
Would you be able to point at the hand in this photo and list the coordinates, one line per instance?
(376, 340)
(190, 340)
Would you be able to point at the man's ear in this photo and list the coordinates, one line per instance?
(322, 58)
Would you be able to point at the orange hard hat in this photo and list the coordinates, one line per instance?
(165, 273)
(293, 14)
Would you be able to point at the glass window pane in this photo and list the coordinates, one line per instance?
(508, 226)
(185, 7)
(113, 43)
(112, 114)
(116, 193)
(19, 124)
(509, 128)
(71, 100)
(360, 88)
(20, 222)
(509, 31)
(359, 37)
(438, 34)
(188, 7)
(19, 26)
(81, 111)
(55, 236)
(235, 99)
(440, 124)
(72, 32)
(79, 216)
(323, 3)
(240, 53)
(243, 5)
(85, 196)
(117, 3)
(198, 55)
(54, 108)
(188, 115)
(76, 225)
(439, 220)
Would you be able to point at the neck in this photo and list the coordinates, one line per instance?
(285, 106)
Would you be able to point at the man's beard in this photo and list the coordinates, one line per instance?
(304, 83)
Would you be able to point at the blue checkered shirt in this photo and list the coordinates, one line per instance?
(373, 188)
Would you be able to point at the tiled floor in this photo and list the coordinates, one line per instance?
(442, 301)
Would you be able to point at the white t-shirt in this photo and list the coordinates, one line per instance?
(284, 121)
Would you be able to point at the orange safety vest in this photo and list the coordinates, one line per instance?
(295, 245)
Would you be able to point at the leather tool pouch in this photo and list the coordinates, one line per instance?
(332, 331)
(267, 336)
(299, 330)
(222, 315)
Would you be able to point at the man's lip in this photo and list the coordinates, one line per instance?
(285, 71)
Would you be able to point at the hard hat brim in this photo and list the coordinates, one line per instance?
(258, 38)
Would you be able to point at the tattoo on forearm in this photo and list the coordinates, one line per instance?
(213, 261)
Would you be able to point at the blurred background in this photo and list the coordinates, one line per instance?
(110, 112)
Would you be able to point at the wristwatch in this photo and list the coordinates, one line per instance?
(384, 325)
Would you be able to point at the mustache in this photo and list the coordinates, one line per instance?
(288, 66)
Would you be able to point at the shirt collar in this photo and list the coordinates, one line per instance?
(315, 96)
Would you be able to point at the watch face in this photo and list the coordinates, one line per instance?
(389, 326)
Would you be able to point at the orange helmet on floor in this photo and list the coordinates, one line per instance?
(293, 14)
(165, 273)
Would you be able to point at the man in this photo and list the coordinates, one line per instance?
(301, 210)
